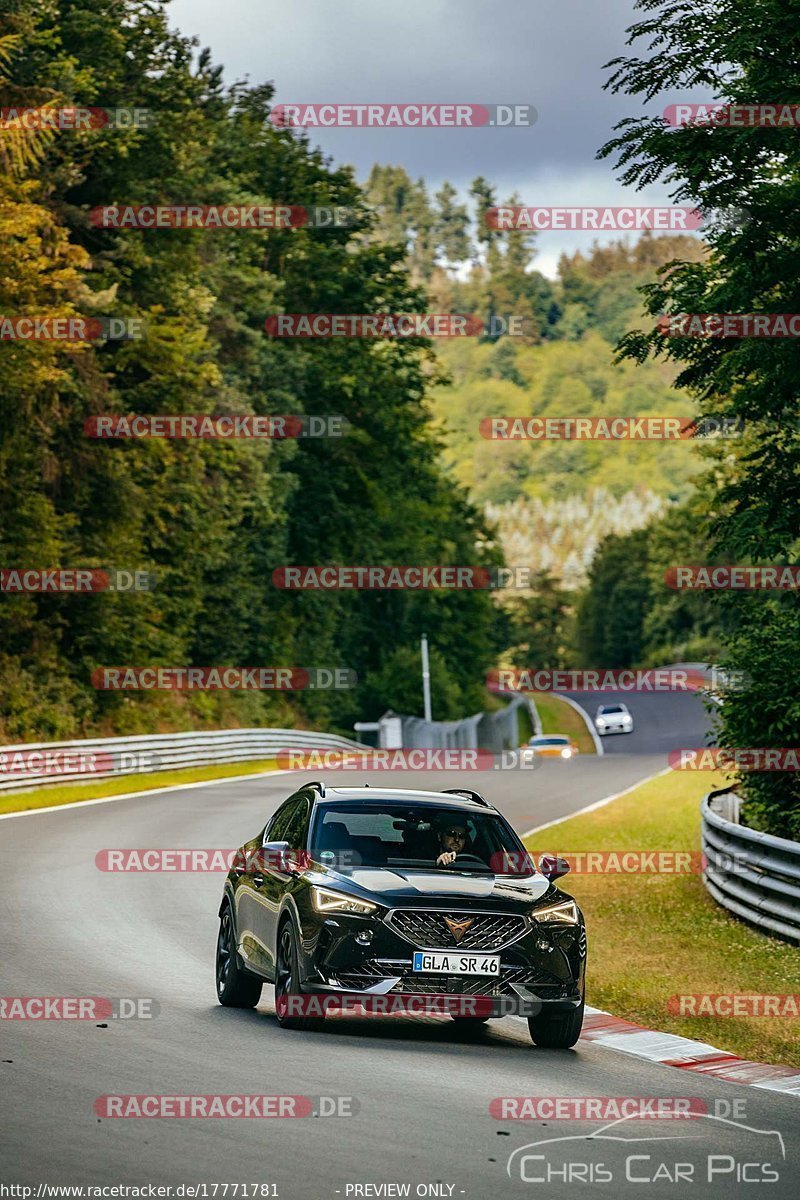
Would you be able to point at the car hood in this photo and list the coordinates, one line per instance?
(396, 883)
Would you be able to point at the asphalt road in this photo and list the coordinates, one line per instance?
(422, 1087)
(662, 721)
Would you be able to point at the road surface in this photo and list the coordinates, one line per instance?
(422, 1087)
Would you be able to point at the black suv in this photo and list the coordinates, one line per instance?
(379, 892)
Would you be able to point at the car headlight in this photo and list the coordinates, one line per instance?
(566, 752)
(564, 913)
(325, 900)
(599, 722)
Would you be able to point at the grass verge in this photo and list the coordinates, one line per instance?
(656, 936)
(72, 793)
(558, 717)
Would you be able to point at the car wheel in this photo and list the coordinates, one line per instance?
(287, 980)
(558, 1030)
(236, 988)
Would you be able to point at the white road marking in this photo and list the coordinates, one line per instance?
(70, 806)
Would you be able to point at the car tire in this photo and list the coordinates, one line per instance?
(287, 976)
(236, 988)
(558, 1030)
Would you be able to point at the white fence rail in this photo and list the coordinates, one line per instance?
(755, 876)
(42, 764)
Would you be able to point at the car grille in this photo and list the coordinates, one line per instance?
(373, 970)
(369, 973)
(429, 930)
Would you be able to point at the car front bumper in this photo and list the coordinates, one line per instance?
(543, 968)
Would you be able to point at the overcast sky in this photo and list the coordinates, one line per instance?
(549, 54)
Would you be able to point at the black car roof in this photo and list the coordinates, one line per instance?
(401, 796)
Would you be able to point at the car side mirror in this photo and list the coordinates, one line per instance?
(277, 856)
(553, 867)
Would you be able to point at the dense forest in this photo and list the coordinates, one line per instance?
(211, 519)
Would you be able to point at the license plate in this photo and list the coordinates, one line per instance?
(431, 961)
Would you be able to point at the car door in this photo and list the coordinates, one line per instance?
(277, 878)
(254, 895)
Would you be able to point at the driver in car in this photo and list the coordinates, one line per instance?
(452, 841)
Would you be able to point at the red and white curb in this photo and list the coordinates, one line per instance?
(673, 1051)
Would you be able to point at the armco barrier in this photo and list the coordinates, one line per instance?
(163, 752)
(753, 875)
(493, 731)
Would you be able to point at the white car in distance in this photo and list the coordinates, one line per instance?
(613, 718)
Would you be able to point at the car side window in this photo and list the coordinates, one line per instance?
(297, 827)
(277, 829)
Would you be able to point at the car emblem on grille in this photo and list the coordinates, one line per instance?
(458, 928)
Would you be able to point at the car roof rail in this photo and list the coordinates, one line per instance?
(476, 796)
(316, 784)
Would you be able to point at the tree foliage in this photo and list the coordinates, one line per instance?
(211, 519)
(746, 179)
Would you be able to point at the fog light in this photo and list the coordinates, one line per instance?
(542, 944)
(364, 938)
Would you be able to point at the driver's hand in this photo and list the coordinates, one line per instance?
(447, 857)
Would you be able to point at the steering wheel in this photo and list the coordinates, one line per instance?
(462, 857)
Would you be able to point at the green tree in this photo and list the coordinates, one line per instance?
(451, 227)
(611, 612)
(746, 181)
(539, 634)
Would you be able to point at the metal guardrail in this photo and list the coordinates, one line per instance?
(755, 876)
(492, 731)
(43, 764)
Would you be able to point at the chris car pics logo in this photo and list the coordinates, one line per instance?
(631, 1151)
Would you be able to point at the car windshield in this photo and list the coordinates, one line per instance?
(612, 708)
(549, 741)
(350, 835)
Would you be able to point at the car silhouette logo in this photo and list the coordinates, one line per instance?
(458, 928)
